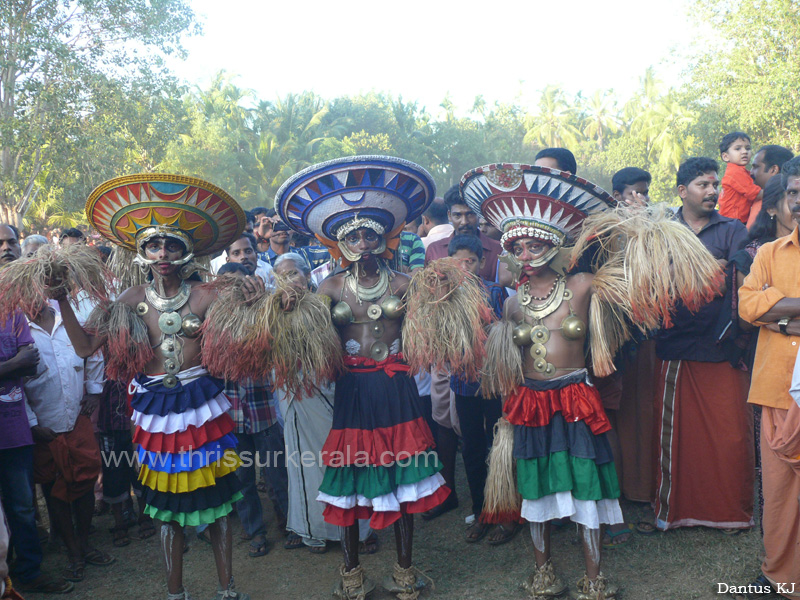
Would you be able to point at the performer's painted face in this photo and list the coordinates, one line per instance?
(164, 251)
(363, 241)
(526, 250)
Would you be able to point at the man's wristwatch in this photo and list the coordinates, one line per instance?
(782, 324)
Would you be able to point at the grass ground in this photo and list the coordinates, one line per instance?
(685, 564)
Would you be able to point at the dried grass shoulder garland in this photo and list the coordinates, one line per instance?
(447, 312)
(234, 342)
(646, 263)
(502, 371)
(27, 283)
(306, 350)
(127, 349)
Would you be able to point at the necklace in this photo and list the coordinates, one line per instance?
(552, 300)
(368, 294)
(162, 304)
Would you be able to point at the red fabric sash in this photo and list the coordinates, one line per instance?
(391, 365)
(576, 402)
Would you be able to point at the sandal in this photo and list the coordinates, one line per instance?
(146, 528)
(610, 537)
(318, 549)
(293, 542)
(506, 534)
(258, 547)
(74, 571)
(646, 528)
(98, 558)
(370, 545)
(45, 584)
(476, 532)
(121, 538)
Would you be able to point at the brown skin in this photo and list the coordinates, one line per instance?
(760, 173)
(463, 220)
(364, 241)
(549, 162)
(637, 194)
(292, 275)
(164, 250)
(788, 307)
(566, 355)
(242, 252)
(488, 230)
(70, 241)
(9, 245)
(784, 224)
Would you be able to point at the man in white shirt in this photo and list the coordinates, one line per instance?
(435, 224)
(66, 456)
(245, 251)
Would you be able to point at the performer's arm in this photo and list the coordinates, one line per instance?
(760, 303)
(85, 344)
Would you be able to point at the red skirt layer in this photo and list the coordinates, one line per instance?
(380, 446)
(345, 517)
(184, 441)
(576, 402)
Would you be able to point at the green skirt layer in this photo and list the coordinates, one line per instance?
(560, 472)
(373, 481)
(200, 517)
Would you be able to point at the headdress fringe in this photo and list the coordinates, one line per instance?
(446, 315)
(646, 263)
(127, 349)
(502, 502)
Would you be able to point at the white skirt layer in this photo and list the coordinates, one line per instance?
(388, 502)
(175, 422)
(562, 505)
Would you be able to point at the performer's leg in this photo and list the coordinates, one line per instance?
(540, 534)
(590, 540)
(404, 537)
(172, 549)
(222, 543)
(350, 546)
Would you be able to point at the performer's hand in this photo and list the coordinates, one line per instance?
(43, 434)
(253, 287)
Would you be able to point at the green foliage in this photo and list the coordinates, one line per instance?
(83, 107)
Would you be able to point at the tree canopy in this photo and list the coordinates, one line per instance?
(84, 96)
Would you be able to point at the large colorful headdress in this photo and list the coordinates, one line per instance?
(130, 210)
(524, 201)
(331, 199)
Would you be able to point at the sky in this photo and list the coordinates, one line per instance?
(423, 50)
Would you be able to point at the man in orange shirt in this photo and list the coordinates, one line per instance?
(739, 192)
(770, 298)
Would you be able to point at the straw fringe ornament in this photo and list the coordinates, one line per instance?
(26, 283)
(502, 370)
(127, 348)
(647, 261)
(306, 349)
(502, 502)
(234, 341)
(446, 315)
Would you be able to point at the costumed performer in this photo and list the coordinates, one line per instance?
(379, 458)
(554, 423)
(152, 335)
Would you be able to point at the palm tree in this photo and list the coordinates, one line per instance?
(601, 117)
(554, 124)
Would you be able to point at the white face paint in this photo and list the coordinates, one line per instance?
(591, 539)
(537, 534)
(167, 541)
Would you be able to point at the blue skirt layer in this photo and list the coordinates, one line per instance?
(160, 400)
(167, 462)
(559, 436)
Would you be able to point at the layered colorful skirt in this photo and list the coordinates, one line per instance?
(379, 455)
(186, 447)
(564, 463)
